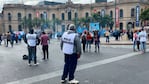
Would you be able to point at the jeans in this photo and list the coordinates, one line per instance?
(107, 39)
(84, 47)
(96, 45)
(32, 54)
(88, 44)
(143, 46)
(70, 66)
(134, 45)
(45, 52)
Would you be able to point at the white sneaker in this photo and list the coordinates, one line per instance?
(63, 81)
(73, 81)
(29, 64)
(36, 64)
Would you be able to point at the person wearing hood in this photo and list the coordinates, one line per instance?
(71, 47)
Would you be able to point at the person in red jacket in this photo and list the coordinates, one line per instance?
(88, 41)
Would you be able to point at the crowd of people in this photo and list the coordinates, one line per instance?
(88, 39)
(10, 37)
(70, 46)
(139, 40)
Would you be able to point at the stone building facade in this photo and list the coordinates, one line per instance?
(123, 10)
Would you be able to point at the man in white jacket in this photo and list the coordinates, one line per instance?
(71, 47)
(143, 39)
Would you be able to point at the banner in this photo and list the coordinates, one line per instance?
(45, 15)
(102, 12)
(37, 14)
(137, 15)
(117, 17)
(81, 30)
(94, 26)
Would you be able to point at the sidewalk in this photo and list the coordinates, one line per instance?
(114, 42)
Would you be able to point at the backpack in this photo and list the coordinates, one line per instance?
(135, 36)
(25, 57)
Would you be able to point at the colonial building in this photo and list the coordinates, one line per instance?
(125, 13)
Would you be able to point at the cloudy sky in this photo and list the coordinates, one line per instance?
(33, 2)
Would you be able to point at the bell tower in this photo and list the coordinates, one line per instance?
(69, 0)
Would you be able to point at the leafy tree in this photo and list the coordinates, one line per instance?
(55, 22)
(36, 22)
(58, 22)
(104, 21)
(144, 16)
(27, 23)
(84, 21)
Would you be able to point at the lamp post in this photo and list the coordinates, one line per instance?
(115, 14)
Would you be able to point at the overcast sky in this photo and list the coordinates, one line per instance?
(33, 2)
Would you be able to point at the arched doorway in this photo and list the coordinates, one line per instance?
(121, 26)
(129, 26)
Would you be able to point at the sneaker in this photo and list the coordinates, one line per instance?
(29, 64)
(36, 64)
(63, 81)
(73, 81)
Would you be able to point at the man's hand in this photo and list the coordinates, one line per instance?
(78, 55)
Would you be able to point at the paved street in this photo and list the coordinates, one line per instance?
(114, 64)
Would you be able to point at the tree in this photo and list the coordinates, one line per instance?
(144, 16)
(84, 21)
(36, 22)
(55, 22)
(58, 22)
(27, 23)
(104, 21)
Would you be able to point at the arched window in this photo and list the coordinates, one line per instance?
(63, 16)
(69, 15)
(99, 13)
(76, 15)
(19, 28)
(141, 10)
(30, 16)
(121, 26)
(19, 16)
(111, 13)
(10, 28)
(41, 16)
(53, 16)
(132, 12)
(121, 13)
(9, 16)
(86, 14)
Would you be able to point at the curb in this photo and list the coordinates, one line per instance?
(118, 43)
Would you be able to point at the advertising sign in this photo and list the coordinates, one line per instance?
(102, 12)
(94, 26)
(81, 29)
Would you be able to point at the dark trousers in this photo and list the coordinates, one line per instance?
(107, 39)
(83, 47)
(138, 45)
(70, 66)
(32, 54)
(45, 52)
(9, 42)
(96, 45)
